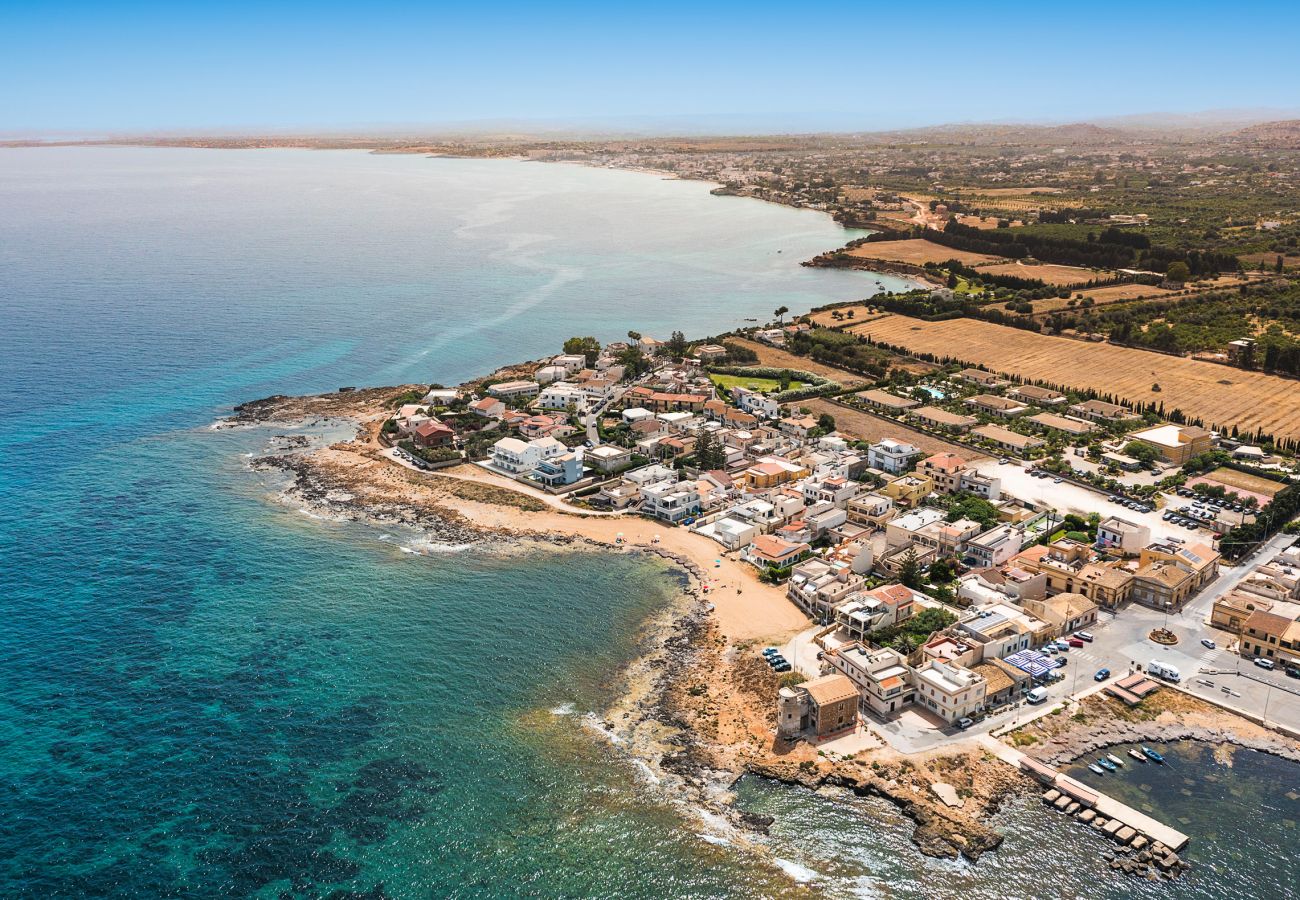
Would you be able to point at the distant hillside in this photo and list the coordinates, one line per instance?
(1031, 135)
(1278, 134)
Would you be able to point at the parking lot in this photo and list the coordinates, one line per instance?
(1067, 497)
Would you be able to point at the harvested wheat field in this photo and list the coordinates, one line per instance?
(1057, 276)
(918, 252)
(1130, 291)
(1219, 395)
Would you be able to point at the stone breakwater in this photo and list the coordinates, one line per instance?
(1233, 732)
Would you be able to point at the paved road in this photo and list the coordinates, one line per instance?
(1121, 641)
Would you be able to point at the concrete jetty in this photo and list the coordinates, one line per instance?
(1117, 820)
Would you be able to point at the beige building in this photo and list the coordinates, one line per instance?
(1176, 444)
(1267, 635)
(823, 706)
(1231, 610)
(1002, 407)
(1072, 567)
(948, 690)
(884, 400)
(1169, 575)
(941, 419)
(882, 677)
(1065, 613)
(1006, 439)
(909, 490)
(944, 470)
(1040, 396)
(1064, 424)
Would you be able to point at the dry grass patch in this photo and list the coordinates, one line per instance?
(1057, 276)
(783, 359)
(918, 252)
(1244, 481)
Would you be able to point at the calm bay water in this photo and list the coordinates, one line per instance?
(206, 693)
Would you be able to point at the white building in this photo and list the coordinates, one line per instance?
(995, 546)
(755, 403)
(730, 532)
(549, 374)
(882, 677)
(671, 502)
(901, 531)
(1129, 537)
(562, 395)
(520, 457)
(892, 456)
(514, 389)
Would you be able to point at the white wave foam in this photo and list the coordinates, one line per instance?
(564, 709)
(801, 874)
(646, 772)
(429, 548)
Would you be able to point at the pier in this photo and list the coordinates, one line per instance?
(1119, 821)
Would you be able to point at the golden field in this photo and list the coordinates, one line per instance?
(918, 252)
(1219, 395)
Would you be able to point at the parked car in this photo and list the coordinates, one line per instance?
(1056, 480)
(771, 651)
(1207, 643)
(1265, 663)
(1061, 661)
(1075, 642)
(1036, 695)
(783, 667)
(1084, 636)
(1291, 671)
(1102, 675)
(965, 722)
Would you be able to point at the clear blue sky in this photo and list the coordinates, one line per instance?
(109, 66)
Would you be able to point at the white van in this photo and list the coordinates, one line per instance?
(1164, 670)
(1036, 695)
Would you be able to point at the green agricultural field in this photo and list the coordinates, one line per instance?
(767, 385)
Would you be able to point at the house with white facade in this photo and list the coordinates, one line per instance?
(753, 402)
(670, 501)
(521, 457)
(561, 395)
(892, 456)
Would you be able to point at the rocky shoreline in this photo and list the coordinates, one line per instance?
(696, 711)
(1186, 719)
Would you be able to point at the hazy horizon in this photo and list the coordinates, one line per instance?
(139, 68)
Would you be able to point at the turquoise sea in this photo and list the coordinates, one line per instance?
(208, 693)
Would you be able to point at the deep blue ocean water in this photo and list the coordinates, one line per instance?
(206, 692)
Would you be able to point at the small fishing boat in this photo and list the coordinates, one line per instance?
(1137, 754)
(1115, 759)
(1153, 755)
(1096, 768)
(1106, 764)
